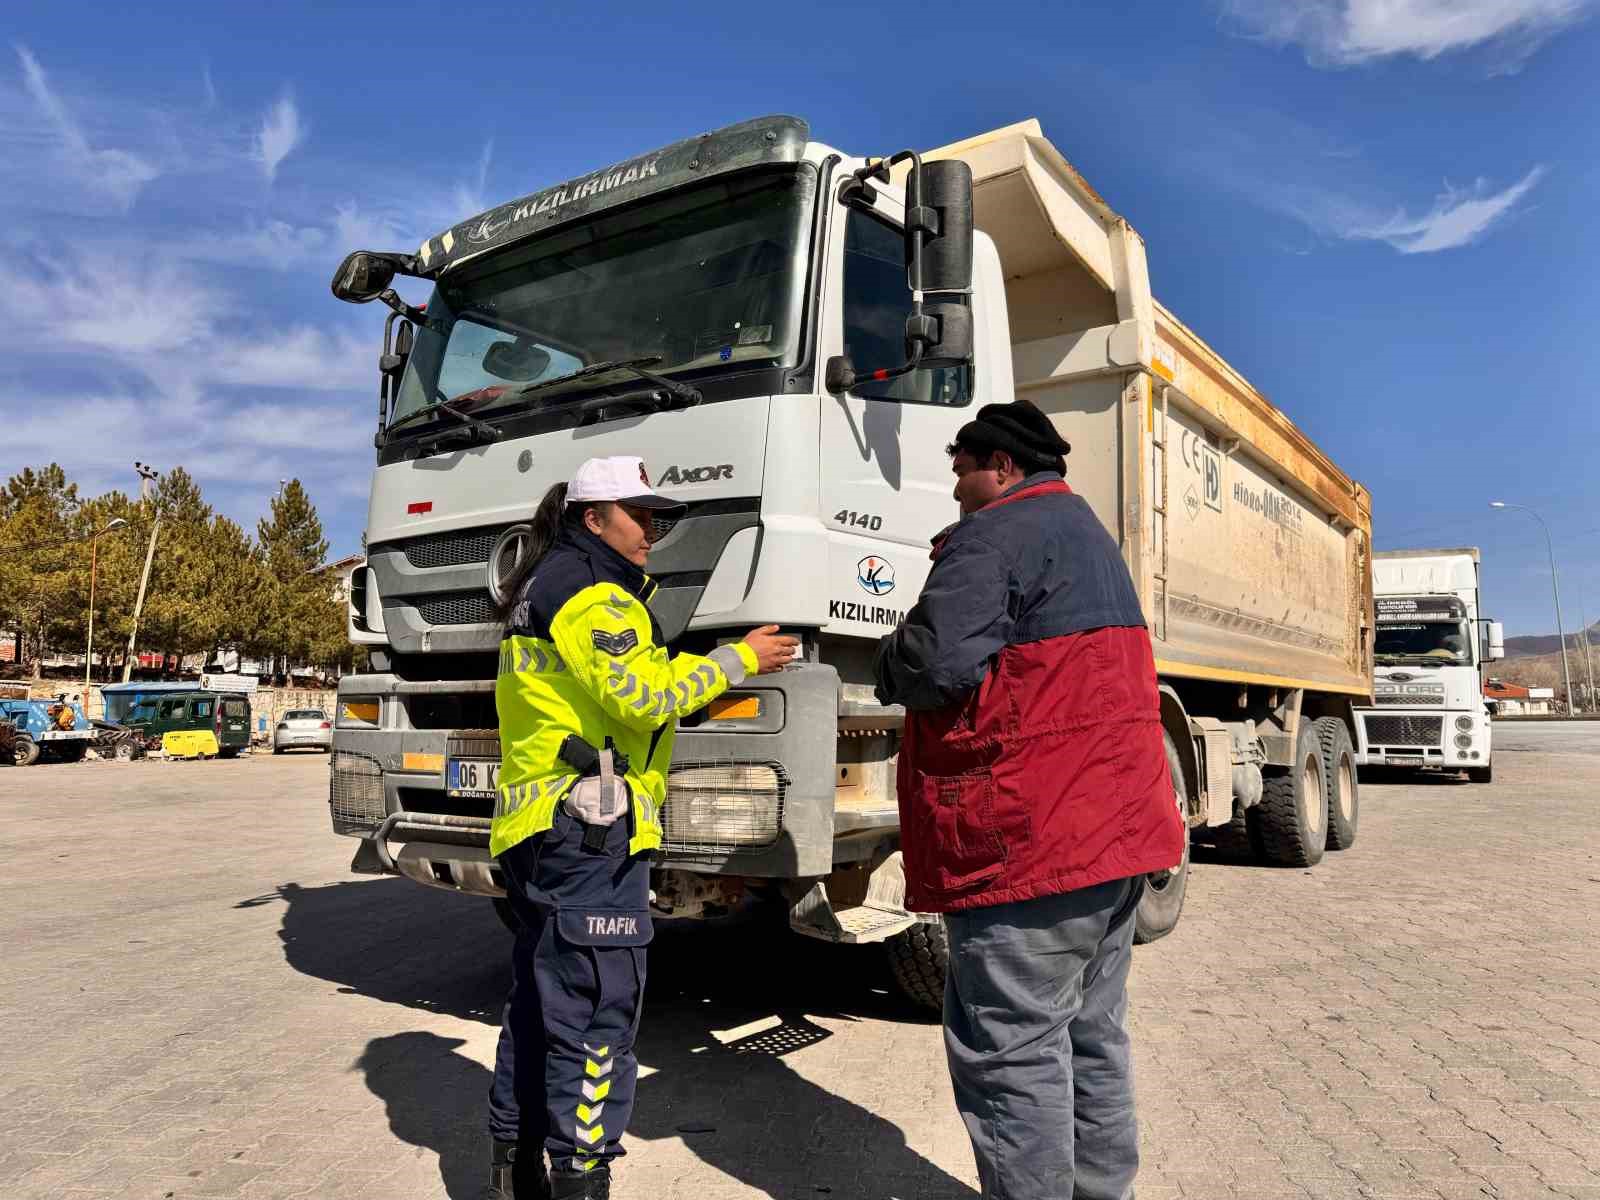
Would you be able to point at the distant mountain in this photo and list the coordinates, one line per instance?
(1548, 643)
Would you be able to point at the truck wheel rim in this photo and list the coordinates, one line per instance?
(1316, 813)
(1345, 789)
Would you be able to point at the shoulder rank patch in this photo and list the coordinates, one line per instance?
(616, 643)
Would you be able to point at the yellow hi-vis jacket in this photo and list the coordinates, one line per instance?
(582, 655)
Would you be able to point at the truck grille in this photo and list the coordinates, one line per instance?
(452, 549)
(355, 792)
(456, 608)
(1403, 731)
(1389, 701)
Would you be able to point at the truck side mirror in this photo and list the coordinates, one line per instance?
(939, 205)
(364, 276)
(938, 258)
(1494, 642)
(944, 332)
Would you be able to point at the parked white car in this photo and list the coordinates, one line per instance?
(303, 729)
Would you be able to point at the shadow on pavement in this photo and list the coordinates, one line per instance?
(724, 1007)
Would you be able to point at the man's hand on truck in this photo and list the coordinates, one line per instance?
(774, 650)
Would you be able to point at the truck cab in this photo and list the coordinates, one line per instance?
(1429, 648)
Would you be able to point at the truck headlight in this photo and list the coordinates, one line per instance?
(722, 806)
(1464, 724)
(1463, 742)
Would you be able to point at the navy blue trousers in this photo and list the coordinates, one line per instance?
(565, 1072)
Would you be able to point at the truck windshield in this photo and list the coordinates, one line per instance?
(1443, 642)
(707, 279)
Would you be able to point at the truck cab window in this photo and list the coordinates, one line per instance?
(876, 304)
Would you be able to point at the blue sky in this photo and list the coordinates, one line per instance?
(1381, 211)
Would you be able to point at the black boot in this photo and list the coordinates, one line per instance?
(581, 1185)
(514, 1176)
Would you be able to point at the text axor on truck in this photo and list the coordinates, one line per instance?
(737, 308)
(1427, 707)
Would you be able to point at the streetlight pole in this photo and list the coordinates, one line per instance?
(1588, 658)
(88, 650)
(147, 476)
(1555, 588)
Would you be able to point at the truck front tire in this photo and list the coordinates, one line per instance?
(919, 958)
(1344, 793)
(26, 752)
(1290, 825)
(1481, 774)
(1162, 902)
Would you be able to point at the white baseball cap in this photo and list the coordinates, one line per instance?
(620, 477)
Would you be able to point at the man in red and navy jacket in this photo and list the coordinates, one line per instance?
(1035, 793)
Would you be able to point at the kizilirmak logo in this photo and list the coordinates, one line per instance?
(875, 575)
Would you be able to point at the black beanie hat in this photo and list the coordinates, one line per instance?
(1019, 429)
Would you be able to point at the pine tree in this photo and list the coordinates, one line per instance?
(37, 553)
(296, 595)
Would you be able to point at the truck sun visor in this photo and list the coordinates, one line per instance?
(763, 141)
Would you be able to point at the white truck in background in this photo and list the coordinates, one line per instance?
(734, 307)
(1430, 646)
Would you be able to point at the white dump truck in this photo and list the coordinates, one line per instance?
(1432, 641)
(739, 308)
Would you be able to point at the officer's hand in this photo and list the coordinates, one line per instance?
(774, 650)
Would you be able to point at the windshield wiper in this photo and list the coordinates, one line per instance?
(475, 431)
(684, 392)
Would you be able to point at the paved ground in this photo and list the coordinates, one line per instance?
(200, 1002)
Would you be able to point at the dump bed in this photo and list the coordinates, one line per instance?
(1251, 549)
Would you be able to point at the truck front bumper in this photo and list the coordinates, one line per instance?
(1451, 740)
(748, 798)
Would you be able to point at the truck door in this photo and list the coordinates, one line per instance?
(886, 487)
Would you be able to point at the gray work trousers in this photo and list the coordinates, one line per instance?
(1035, 1006)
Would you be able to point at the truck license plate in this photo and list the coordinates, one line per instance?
(472, 777)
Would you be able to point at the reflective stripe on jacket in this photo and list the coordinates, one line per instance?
(583, 655)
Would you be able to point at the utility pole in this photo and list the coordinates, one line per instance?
(1555, 588)
(1588, 660)
(147, 476)
(88, 650)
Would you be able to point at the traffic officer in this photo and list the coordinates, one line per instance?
(587, 697)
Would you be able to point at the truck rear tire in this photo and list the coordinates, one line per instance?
(1344, 792)
(1162, 902)
(26, 752)
(918, 959)
(1290, 825)
(1481, 774)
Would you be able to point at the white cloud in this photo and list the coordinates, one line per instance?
(301, 358)
(468, 200)
(270, 245)
(1342, 33)
(1457, 218)
(279, 134)
(105, 303)
(117, 174)
(208, 85)
(355, 228)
